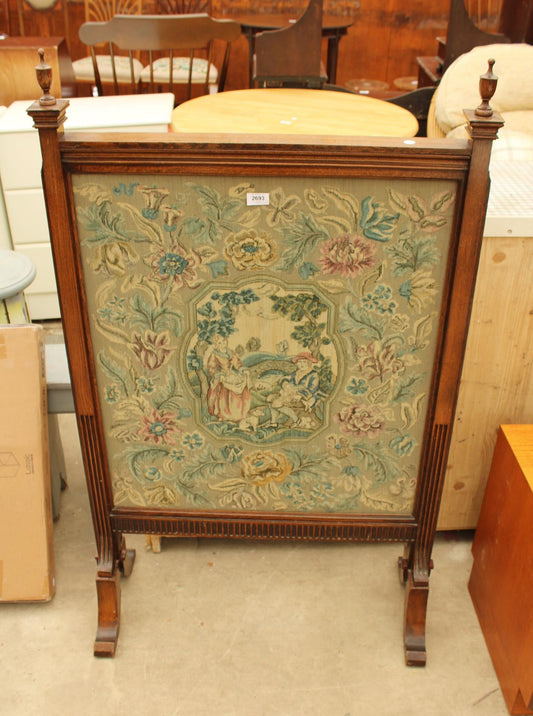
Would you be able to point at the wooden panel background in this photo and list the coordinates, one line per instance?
(497, 380)
(401, 30)
(383, 43)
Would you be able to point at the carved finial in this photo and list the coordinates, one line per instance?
(487, 88)
(44, 78)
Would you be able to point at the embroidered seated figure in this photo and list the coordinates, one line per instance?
(298, 392)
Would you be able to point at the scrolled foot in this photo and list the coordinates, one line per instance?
(108, 593)
(416, 598)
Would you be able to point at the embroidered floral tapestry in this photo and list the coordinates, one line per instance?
(270, 357)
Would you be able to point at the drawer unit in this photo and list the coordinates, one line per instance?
(23, 223)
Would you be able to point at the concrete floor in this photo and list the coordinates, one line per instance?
(216, 628)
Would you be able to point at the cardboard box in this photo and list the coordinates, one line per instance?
(26, 531)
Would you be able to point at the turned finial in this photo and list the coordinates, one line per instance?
(487, 88)
(44, 78)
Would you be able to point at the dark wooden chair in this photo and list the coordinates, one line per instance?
(461, 36)
(167, 34)
(417, 102)
(291, 56)
(265, 338)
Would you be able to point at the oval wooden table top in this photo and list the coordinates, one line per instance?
(293, 111)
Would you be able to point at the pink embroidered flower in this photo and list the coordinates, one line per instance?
(152, 349)
(347, 255)
(159, 427)
(364, 421)
(377, 361)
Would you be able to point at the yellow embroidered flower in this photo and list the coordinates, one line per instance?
(263, 466)
(248, 250)
(112, 257)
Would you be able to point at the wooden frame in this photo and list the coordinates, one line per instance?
(318, 162)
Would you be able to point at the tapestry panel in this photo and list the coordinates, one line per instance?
(264, 344)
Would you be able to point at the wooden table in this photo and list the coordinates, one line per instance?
(333, 28)
(293, 111)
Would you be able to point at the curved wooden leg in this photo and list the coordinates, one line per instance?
(108, 592)
(416, 598)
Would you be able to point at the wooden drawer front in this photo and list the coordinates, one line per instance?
(27, 216)
(20, 160)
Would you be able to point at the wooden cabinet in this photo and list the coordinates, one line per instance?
(497, 378)
(18, 58)
(501, 583)
(20, 174)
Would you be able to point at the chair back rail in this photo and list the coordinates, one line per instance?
(463, 33)
(183, 7)
(102, 10)
(292, 55)
(161, 33)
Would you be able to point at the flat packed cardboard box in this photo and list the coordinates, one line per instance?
(26, 531)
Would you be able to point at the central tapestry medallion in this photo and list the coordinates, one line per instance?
(262, 360)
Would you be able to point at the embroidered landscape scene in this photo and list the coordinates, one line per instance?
(264, 357)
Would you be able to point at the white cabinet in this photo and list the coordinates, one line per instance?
(23, 224)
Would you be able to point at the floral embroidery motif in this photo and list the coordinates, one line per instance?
(272, 358)
(347, 255)
(263, 466)
(248, 250)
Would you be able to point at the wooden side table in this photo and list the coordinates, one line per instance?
(501, 582)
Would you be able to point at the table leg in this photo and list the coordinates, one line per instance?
(332, 58)
(250, 36)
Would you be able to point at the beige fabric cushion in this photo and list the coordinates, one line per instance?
(83, 69)
(515, 146)
(180, 70)
(510, 145)
(459, 86)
